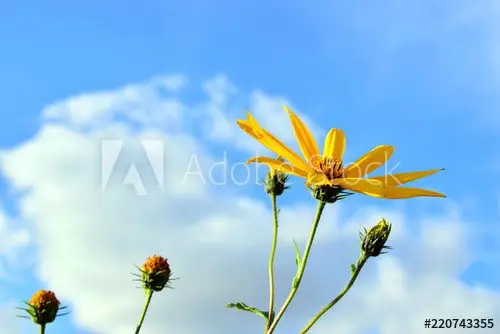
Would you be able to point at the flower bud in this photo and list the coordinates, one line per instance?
(373, 241)
(275, 181)
(43, 307)
(155, 273)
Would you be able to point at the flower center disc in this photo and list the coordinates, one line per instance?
(329, 167)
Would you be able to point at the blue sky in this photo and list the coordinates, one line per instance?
(421, 76)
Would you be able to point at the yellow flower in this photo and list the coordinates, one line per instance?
(328, 169)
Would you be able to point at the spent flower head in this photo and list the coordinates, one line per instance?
(155, 273)
(43, 307)
(275, 183)
(373, 241)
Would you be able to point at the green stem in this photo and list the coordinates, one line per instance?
(361, 262)
(300, 270)
(42, 328)
(271, 263)
(149, 294)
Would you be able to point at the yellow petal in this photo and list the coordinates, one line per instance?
(364, 186)
(378, 189)
(402, 178)
(275, 145)
(406, 192)
(279, 166)
(245, 126)
(317, 179)
(306, 141)
(334, 145)
(253, 123)
(253, 128)
(370, 161)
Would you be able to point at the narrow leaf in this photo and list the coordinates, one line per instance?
(244, 307)
(298, 260)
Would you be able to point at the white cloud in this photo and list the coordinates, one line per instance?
(13, 241)
(88, 240)
(11, 238)
(151, 103)
(215, 238)
(219, 89)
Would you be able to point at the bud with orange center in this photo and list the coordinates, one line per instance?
(155, 276)
(155, 273)
(43, 308)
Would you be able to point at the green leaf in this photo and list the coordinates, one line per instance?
(244, 307)
(353, 268)
(298, 260)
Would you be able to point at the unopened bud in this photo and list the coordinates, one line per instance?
(373, 241)
(275, 183)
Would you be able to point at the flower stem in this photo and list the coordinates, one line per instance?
(361, 262)
(42, 328)
(149, 294)
(301, 268)
(271, 263)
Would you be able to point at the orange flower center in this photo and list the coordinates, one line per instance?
(43, 298)
(156, 264)
(329, 167)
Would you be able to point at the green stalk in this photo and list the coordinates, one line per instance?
(359, 266)
(300, 270)
(149, 294)
(271, 263)
(42, 328)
